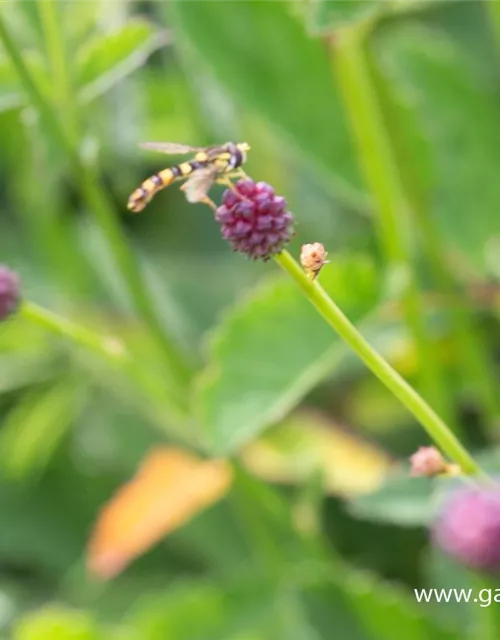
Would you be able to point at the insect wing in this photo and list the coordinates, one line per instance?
(198, 184)
(215, 152)
(173, 148)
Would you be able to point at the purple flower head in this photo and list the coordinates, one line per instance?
(468, 527)
(254, 220)
(9, 292)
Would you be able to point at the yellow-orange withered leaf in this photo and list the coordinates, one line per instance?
(169, 489)
(307, 442)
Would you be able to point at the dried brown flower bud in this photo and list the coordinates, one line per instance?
(427, 461)
(312, 258)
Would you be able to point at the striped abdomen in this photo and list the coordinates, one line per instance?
(150, 187)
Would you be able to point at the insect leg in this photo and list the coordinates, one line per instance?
(208, 201)
(240, 173)
(226, 180)
(200, 198)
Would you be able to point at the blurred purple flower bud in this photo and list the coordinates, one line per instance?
(9, 292)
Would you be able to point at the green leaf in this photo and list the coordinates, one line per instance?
(404, 500)
(12, 94)
(401, 500)
(33, 429)
(359, 605)
(442, 572)
(107, 60)
(243, 608)
(384, 610)
(457, 118)
(261, 53)
(187, 612)
(324, 15)
(57, 623)
(413, 502)
(271, 350)
(26, 358)
(253, 522)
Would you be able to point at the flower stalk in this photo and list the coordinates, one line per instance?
(382, 177)
(428, 418)
(101, 208)
(113, 351)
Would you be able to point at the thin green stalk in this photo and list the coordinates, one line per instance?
(100, 207)
(428, 418)
(111, 350)
(103, 346)
(493, 9)
(381, 173)
(50, 18)
(472, 351)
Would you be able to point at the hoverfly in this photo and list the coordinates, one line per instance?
(208, 166)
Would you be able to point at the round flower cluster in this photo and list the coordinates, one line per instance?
(254, 220)
(468, 527)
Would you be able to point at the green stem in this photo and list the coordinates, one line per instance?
(100, 207)
(427, 417)
(111, 350)
(493, 9)
(103, 346)
(381, 173)
(57, 54)
(472, 352)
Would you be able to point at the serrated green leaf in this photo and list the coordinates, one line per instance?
(107, 60)
(33, 429)
(457, 116)
(263, 56)
(272, 349)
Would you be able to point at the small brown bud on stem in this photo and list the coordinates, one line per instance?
(428, 461)
(313, 258)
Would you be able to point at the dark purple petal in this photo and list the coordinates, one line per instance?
(263, 223)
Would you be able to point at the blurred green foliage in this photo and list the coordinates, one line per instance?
(221, 348)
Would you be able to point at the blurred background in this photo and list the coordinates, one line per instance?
(380, 124)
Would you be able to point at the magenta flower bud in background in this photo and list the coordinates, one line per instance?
(9, 292)
(468, 527)
(255, 221)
